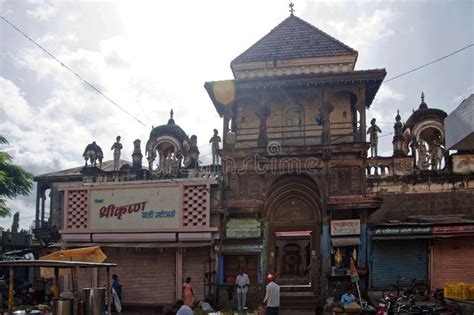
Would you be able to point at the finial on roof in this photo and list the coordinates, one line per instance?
(423, 104)
(171, 120)
(291, 6)
(398, 118)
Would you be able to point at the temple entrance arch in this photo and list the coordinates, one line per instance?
(294, 216)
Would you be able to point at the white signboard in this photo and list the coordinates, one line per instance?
(135, 208)
(345, 227)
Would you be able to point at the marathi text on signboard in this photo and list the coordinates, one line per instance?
(243, 228)
(453, 229)
(345, 227)
(402, 230)
(135, 208)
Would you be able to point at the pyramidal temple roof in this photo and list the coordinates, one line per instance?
(294, 39)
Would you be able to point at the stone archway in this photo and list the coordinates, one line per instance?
(293, 213)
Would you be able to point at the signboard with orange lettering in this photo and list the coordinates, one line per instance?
(135, 208)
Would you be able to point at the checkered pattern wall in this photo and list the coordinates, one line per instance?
(195, 203)
(77, 204)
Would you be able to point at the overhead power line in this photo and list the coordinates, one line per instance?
(429, 63)
(72, 71)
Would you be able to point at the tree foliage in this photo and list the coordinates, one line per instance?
(14, 180)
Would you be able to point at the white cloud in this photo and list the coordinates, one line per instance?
(13, 107)
(367, 29)
(386, 93)
(43, 12)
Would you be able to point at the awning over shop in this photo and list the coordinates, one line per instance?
(345, 241)
(86, 254)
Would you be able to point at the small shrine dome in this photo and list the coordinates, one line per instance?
(167, 142)
(423, 113)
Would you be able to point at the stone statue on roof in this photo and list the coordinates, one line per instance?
(93, 153)
(215, 140)
(374, 138)
(423, 155)
(117, 147)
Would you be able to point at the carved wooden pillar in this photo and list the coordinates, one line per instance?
(361, 107)
(325, 110)
(225, 127)
(263, 114)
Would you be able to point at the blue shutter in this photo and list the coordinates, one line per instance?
(398, 258)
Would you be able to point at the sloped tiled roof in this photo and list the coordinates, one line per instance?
(76, 171)
(293, 39)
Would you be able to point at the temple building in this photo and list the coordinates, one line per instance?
(295, 192)
(294, 161)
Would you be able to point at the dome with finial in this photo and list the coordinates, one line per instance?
(171, 120)
(398, 118)
(170, 129)
(423, 104)
(424, 113)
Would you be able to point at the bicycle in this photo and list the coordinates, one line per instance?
(414, 287)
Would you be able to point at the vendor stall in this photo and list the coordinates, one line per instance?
(56, 266)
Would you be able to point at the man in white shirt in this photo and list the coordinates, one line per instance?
(242, 282)
(272, 296)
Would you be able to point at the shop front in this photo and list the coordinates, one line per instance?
(399, 252)
(157, 232)
(452, 255)
(241, 249)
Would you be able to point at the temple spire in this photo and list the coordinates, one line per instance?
(291, 6)
(171, 120)
(423, 104)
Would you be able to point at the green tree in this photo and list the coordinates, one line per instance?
(16, 222)
(14, 180)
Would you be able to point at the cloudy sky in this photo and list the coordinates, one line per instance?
(151, 56)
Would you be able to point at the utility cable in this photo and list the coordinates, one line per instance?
(72, 71)
(429, 63)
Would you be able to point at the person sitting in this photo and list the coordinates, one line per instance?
(347, 298)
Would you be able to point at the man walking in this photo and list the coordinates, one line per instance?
(272, 296)
(242, 282)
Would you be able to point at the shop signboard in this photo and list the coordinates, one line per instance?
(243, 228)
(345, 227)
(405, 230)
(135, 208)
(453, 229)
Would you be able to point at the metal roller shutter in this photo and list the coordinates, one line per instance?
(398, 258)
(195, 261)
(452, 261)
(146, 274)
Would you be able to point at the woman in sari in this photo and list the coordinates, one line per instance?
(188, 294)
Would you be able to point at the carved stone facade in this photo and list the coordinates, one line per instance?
(294, 142)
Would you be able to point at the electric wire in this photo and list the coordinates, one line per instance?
(429, 63)
(72, 71)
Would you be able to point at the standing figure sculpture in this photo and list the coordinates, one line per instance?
(423, 156)
(215, 140)
(117, 147)
(374, 138)
(437, 155)
(93, 153)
